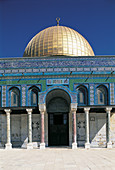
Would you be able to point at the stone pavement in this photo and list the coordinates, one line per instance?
(57, 159)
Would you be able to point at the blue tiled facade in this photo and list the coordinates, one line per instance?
(41, 72)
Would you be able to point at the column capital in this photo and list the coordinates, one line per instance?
(86, 109)
(7, 110)
(108, 109)
(73, 107)
(42, 107)
(42, 112)
(29, 111)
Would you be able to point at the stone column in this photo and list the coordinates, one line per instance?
(87, 144)
(42, 109)
(46, 128)
(70, 129)
(108, 111)
(8, 145)
(74, 130)
(29, 145)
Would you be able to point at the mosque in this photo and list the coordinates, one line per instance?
(59, 94)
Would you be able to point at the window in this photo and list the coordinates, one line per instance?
(82, 95)
(15, 97)
(33, 92)
(102, 95)
(34, 97)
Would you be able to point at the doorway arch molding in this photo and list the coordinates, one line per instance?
(43, 95)
(42, 108)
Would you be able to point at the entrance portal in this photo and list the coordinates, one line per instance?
(58, 129)
(58, 103)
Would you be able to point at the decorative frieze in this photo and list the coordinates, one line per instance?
(57, 81)
(58, 65)
(3, 96)
(24, 95)
(95, 61)
(111, 93)
(8, 71)
(91, 94)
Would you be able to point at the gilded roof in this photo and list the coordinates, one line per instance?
(58, 40)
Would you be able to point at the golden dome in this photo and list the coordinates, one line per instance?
(58, 40)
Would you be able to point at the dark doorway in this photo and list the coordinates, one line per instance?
(58, 107)
(58, 129)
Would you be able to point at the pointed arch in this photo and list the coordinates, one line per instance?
(102, 95)
(82, 95)
(33, 95)
(14, 96)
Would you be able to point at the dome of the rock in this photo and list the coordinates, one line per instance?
(56, 41)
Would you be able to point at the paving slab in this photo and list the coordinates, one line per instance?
(57, 159)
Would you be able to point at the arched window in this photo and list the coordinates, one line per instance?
(82, 95)
(34, 96)
(102, 95)
(14, 97)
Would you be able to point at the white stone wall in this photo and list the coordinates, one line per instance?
(112, 129)
(3, 130)
(24, 130)
(19, 130)
(98, 129)
(16, 130)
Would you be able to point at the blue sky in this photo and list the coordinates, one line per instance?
(20, 20)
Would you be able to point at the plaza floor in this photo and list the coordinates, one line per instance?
(57, 159)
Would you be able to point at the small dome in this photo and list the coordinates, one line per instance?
(58, 40)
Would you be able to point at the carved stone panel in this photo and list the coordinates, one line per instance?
(81, 129)
(15, 130)
(36, 127)
(4, 129)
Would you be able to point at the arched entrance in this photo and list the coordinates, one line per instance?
(58, 104)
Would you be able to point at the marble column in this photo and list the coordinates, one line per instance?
(42, 109)
(87, 144)
(8, 145)
(74, 141)
(108, 112)
(30, 144)
(70, 129)
(46, 128)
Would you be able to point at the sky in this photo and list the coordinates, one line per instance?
(20, 20)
